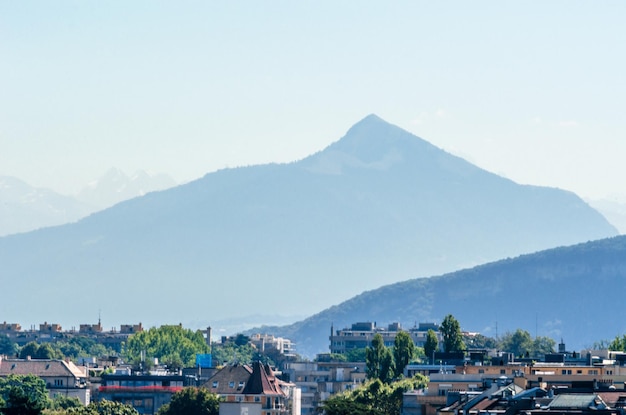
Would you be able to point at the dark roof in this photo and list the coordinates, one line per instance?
(262, 381)
(229, 380)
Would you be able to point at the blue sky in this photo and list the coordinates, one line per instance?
(532, 90)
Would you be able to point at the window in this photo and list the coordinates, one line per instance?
(593, 371)
(502, 371)
(241, 384)
(215, 384)
(231, 384)
(58, 382)
(579, 372)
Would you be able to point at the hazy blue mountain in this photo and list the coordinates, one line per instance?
(613, 210)
(376, 207)
(25, 208)
(569, 293)
(116, 186)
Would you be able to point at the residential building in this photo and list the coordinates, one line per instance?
(255, 389)
(360, 335)
(145, 393)
(317, 381)
(61, 377)
(52, 332)
(266, 342)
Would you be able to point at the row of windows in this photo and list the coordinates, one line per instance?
(231, 384)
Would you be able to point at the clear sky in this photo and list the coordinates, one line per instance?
(532, 90)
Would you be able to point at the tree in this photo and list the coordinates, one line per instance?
(374, 357)
(230, 352)
(192, 401)
(65, 402)
(480, 341)
(373, 398)
(519, 343)
(543, 345)
(355, 355)
(452, 336)
(403, 352)
(29, 350)
(103, 408)
(343, 405)
(23, 395)
(431, 345)
(387, 366)
(7, 346)
(618, 344)
(166, 341)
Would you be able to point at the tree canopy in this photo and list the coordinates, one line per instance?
(378, 360)
(172, 345)
(192, 401)
(451, 332)
(373, 398)
(520, 343)
(7, 346)
(431, 345)
(23, 395)
(103, 407)
(403, 352)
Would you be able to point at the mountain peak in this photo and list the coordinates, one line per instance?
(372, 143)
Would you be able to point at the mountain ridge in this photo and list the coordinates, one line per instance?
(312, 238)
(491, 297)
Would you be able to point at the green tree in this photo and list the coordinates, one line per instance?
(230, 352)
(519, 343)
(479, 341)
(387, 366)
(355, 355)
(452, 336)
(374, 357)
(103, 407)
(166, 341)
(29, 350)
(192, 401)
(403, 352)
(543, 345)
(7, 346)
(23, 395)
(618, 344)
(241, 339)
(46, 351)
(344, 405)
(373, 398)
(431, 345)
(65, 402)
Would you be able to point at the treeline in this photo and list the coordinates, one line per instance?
(28, 395)
(172, 345)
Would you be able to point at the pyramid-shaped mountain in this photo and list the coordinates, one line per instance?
(376, 207)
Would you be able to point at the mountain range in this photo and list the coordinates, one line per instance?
(25, 208)
(376, 207)
(568, 293)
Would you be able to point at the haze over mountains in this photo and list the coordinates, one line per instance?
(376, 207)
(568, 293)
(25, 208)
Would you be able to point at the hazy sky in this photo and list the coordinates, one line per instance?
(534, 91)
